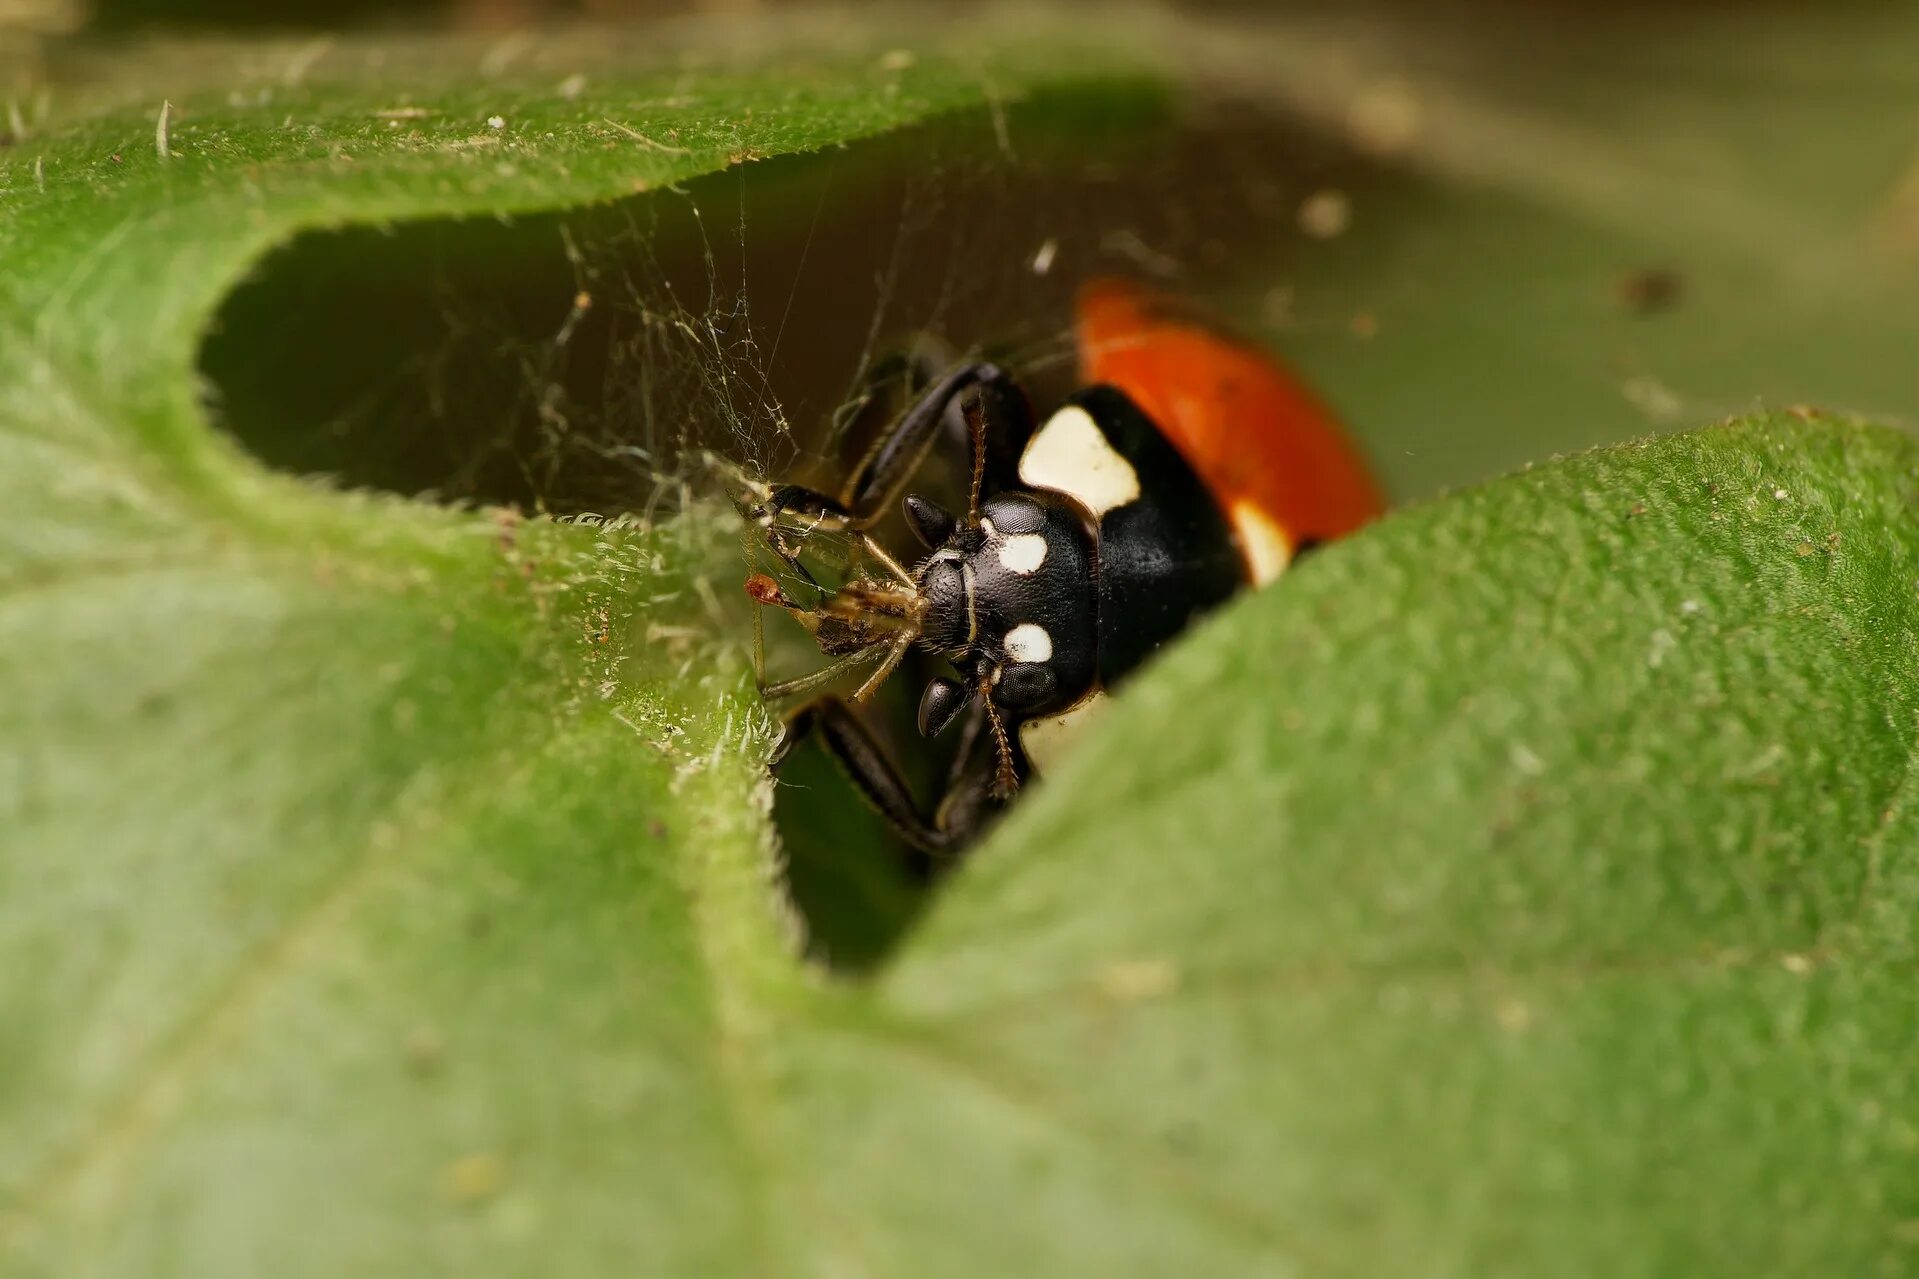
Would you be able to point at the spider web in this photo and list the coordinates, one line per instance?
(593, 363)
(742, 314)
(588, 361)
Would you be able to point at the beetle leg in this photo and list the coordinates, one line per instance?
(1007, 418)
(915, 370)
(871, 772)
(969, 802)
(912, 369)
(881, 477)
(963, 809)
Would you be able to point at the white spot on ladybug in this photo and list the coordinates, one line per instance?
(1071, 455)
(1029, 642)
(1267, 548)
(1022, 553)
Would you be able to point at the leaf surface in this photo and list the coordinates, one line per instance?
(387, 888)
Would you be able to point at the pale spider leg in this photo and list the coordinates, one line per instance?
(895, 654)
(819, 678)
(790, 555)
(887, 562)
(748, 491)
(777, 530)
(759, 646)
(865, 598)
(805, 524)
(779, 527)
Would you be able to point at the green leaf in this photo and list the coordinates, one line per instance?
(387, 888)
(382, 886)
(1552, 919)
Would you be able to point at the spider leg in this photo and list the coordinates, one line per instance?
(895, 653)
(759, 647)
(878, 554)
(817, 679)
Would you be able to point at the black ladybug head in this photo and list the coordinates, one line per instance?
(945, 585)
(1011, 599)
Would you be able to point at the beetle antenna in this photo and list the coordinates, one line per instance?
(975, 411)
(1005, 776)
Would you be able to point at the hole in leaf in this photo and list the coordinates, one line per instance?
(575, 361)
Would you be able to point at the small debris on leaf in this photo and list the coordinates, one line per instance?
(1651, 290)
(1131, 980)
(474, 1178)
(1325, 215)
(1384, 119)
(425, 1051)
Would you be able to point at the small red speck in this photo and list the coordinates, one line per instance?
(764, 590)
(116, 157)
(1649, 291)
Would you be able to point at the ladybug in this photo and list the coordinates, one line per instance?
(1188, 467)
